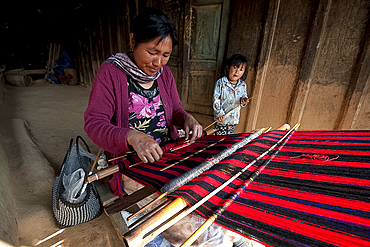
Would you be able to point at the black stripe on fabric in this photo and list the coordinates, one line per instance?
(308, 202)
(305, 218)
(263, 232)
(324, 142)
(190, 162)
(330, 189)
(320, 169)
(156, 183)
(318, 220)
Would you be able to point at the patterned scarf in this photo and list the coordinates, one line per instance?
(127, 66)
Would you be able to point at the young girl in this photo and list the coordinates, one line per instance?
(230, 92)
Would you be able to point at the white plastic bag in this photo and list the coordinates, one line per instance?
(74, 178)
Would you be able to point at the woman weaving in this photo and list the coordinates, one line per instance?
(134, 104)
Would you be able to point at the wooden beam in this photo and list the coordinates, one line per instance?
(128, 201)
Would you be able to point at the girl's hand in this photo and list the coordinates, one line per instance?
(146, 147)
(221, 118)
(190, 123)
(244, 101)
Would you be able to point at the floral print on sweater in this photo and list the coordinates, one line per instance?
(146, 114)
(226, 97)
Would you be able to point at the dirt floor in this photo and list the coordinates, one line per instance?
(37, 124)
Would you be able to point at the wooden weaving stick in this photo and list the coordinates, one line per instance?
(96, 159)
(225, 114)
(187, 157)
(128, 201)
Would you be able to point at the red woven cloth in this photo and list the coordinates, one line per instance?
(315, 192)
(194, 154)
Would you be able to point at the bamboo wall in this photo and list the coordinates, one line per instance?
(100, 36)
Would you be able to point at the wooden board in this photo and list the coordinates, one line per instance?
(113, 205)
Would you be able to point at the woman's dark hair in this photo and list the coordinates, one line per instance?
(152, 23)
(236, 60)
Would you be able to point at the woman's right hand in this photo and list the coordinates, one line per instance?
(146, 148)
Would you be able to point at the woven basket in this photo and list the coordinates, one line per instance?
(70, 214)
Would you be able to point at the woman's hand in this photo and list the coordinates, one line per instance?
(146, 148)
(190, 123)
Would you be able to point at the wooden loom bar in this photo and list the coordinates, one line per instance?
(138, 237)
(102, 173)
(128, 201)
(149, 214)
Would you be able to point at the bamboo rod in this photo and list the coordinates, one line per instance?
(138, 163)
(96, 159)
(188, 142)
(199, 232)
(187, 157)
(284, 127)
(149, 214)
(147, 205)
(224, 115)
(120, 157)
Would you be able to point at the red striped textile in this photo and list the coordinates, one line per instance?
(315, 192)
(150, 173)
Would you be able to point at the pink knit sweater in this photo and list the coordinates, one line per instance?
(106, 117)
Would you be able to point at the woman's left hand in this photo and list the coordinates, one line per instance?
(190, 123)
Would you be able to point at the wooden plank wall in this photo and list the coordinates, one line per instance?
(309, 62)
(101, 36)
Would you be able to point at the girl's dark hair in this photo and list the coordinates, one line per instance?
(152, 23)
(236, 60)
